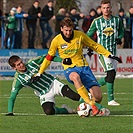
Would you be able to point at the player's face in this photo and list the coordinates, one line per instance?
(67, 31)
(106, 9)
(20, 66)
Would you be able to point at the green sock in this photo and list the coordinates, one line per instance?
(60, 110)
(110, 90)
(102, 81)
(99, 106)
(81, 100)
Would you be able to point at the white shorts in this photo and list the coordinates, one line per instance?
(107, 63)
(50, 96)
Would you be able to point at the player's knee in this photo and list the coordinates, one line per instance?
(49, 111)
(96, 93)
(64, 89)
(110, 76)
(48, 108)
(98, 98)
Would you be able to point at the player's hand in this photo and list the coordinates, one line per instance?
(118, 41)
(67, 61)
(90, 52)
(35, 78)
(115, 58)
(9, 114)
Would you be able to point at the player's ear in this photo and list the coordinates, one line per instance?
(61, 28)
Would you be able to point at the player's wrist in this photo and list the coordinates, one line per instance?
(38, 74)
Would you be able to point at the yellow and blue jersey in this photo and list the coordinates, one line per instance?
(74, 48)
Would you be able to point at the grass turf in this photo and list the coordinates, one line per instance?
(29, 117)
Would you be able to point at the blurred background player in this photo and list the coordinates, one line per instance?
(109, 32)
(10, 28)
(98, 10)
(60, 15)
(125, 22)
(75, 17)
(34, 12)
(88, 20)
(19, 15)
(131, 23)
(46, 88)
(47, 14)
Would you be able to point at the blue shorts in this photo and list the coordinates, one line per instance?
(86, 76)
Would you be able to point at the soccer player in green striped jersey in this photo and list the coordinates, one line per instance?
(46, 88)
(109, 32)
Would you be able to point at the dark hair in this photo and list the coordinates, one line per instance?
(50, 1)
(36, 1)
(12, 60)
(66, 22)
(121, 10)
(92, 10)
(98, 7)
(18, 6)
(105, 2)
(131, 7)
(73, 8)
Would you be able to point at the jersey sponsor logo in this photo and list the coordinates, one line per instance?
(71, 51)
(108, 31)
(63, 46)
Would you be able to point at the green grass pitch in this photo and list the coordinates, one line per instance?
(29, 117)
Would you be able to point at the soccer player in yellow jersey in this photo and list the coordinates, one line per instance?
(69, 45)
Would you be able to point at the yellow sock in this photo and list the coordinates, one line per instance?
(84, 94)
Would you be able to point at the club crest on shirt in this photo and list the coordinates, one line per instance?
(108, 31)
(26, 78)
(33, 70)
(63, 46)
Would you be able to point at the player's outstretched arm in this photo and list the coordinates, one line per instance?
(46, 62)
(11, 101)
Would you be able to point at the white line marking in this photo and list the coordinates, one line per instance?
(31, 114)
(18, 97)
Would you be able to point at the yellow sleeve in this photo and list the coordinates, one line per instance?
(44, 65)
(51, 52)
(95, 46)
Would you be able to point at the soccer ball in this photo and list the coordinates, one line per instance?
(84, 110)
